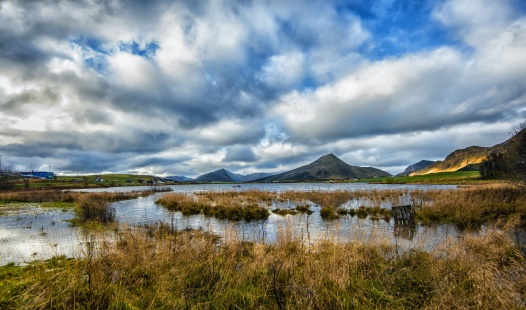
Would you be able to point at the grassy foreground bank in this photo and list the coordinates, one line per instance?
(160, 268)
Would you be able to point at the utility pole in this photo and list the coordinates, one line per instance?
(49, 174)
(0, 163)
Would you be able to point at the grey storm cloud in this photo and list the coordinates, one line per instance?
(187, 86)
(86, 162)
(16, 102)
(46, 144)
(240, 153)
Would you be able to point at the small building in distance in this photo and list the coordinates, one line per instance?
(38, 174)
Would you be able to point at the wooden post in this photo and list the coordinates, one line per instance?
(404, 214)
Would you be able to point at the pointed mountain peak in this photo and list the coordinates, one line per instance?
(220, 175)
(328, 158)
(330, 155)
(327, 167)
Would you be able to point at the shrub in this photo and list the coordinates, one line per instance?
(284, 212)
(304, 209)
(328, 213)
(94, 208)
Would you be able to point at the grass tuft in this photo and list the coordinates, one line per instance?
(188, 205)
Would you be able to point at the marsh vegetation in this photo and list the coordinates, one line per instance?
(160, 266)
(222, 205)
(465, 207)
(87, 206)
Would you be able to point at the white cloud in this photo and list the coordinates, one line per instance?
(285, 80)
(228, 132)
(386, 95)
(475, 21)
(133, 72)
(284, 71)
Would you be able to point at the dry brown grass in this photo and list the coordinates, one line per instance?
(95, 207)
(473, 206)
(223, 205)
(466, 207)
(37, 196)
(160, 268)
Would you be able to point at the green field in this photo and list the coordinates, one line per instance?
(108, 180)
(455, 177)
(111, 180)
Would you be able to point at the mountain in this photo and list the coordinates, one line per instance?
(470, 157)
(458, 160)
(416, 167)
(327, 167)
(223, 175)
(178, 178)
(220, 175)
(247, 178)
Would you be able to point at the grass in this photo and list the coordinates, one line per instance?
(88, 207)
(109, 179)
(474, 206)
(86, 181)
(455, 178)
(466, 207)
(222, 208)
(284, 212)
(157, 267)
(96, 207)
(304, 209)
(35, 195)
(328, 213)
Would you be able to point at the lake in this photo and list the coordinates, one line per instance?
(31, 233)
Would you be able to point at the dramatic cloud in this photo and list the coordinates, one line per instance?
(186, 87)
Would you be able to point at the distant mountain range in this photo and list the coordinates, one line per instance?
(416, 167)
(223, 175)
(247, 178)
(178, 178)
(327, 167)
(330, 167)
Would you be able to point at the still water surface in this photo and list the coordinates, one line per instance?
(32, 233)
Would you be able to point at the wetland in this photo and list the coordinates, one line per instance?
(308, 245)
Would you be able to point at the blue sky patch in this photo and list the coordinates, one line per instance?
(146, 51)
(400, 27)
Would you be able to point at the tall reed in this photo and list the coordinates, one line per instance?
(159, 267)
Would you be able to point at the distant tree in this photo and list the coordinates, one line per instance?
(493, 166)
(517, 156)
(510, 162)
(8, 180)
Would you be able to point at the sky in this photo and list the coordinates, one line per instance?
(188, 87)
